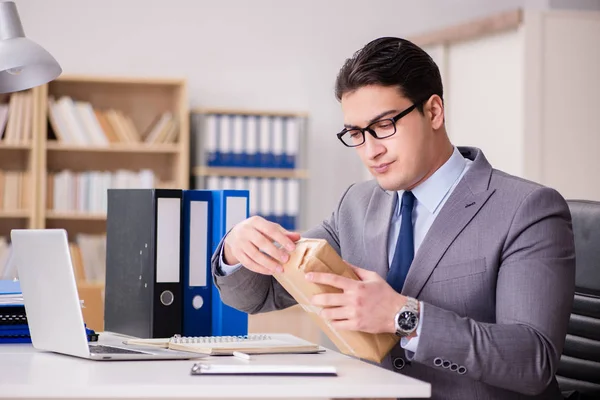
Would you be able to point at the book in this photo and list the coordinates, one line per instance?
(226, 345)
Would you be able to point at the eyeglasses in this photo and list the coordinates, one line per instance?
(379, 129)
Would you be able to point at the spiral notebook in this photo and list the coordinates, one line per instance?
(226, 345)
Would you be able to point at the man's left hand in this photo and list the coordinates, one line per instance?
(367, 305)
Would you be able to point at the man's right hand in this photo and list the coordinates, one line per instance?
(251, 243)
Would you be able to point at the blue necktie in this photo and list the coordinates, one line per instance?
(405, 246)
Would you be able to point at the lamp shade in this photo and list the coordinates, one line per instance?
(23, 63)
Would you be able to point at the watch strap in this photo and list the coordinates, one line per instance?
(412, 304)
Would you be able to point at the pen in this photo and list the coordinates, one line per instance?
(241, 355)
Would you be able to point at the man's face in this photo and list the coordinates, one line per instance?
(402, 160)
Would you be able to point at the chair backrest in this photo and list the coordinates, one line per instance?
(579, 367)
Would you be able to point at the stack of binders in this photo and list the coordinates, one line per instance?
(13, 321)
(158, 250)
(275, 199)
(13, 318)
(251, 141)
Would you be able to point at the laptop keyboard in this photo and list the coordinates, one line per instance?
(100, 349)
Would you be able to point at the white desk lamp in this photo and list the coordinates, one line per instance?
(23, 63)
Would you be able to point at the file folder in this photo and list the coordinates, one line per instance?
(240, 183)
(254, 189)
(237, 147)
(266, 143)
(213, 183)
(278, 157)
(292, 203)
(226, 183)
(266, 202)
(291, 142)
(229, 208)
(225, 141)
(143, 293)
(279, 215)
(251, 133)
(197, 277)
(212, 141)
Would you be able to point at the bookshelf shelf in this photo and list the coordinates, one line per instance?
(163, 165)
(90, 285)
(14, 214)
(54, 146)
(15, 146)
(18, 160)
(250, 172)
(258, 113)
(74, 216)
(77, 224)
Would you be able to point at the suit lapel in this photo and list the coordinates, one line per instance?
(376, 230)
(454, 217)
(463, 204)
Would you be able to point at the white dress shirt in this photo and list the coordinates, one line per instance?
(430, 196)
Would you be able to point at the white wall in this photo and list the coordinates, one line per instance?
(496, 127)
(574, 4)
(571, 137)
(260, 54)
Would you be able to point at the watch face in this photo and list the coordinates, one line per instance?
(407, 320)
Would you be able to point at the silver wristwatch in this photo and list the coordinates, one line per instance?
(407, 319)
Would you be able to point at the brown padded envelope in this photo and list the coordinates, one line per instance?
(316, 255)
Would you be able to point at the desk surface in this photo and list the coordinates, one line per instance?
(28, 373)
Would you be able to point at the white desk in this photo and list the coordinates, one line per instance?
(29, 374)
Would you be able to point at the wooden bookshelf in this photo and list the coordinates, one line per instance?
(141, 101)
(72, 147)
(251, 172)
(18, 161)
(202, 173)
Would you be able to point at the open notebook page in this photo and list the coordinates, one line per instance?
(253, 344)
(263, 345)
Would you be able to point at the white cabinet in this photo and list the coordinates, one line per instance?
(525, 88)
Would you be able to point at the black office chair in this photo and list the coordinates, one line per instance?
(579, 369)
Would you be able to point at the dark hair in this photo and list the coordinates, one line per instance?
(390, 61)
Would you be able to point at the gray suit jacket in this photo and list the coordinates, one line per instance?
(496, 272)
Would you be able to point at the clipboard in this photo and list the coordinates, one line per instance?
(262, 370)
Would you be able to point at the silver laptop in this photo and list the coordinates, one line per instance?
(52, 304)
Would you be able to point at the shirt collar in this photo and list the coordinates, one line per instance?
(431, 192)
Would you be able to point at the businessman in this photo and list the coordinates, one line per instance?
(473, 268)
